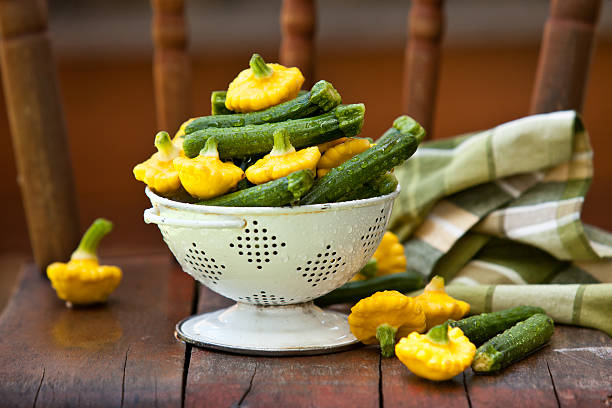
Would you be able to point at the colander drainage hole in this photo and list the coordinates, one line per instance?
(256, 250)
(333, 265)
(205, 268)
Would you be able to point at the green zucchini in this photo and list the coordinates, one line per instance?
(514, 344)
(393, 148)
(381, 185)
(352, 292)
(238, 142)
(323, 97)
(482, 327)
(217, 102)
(276, 193)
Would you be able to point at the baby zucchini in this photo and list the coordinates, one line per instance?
(353, 292)
(276, 193)
(217, 102)
(482, 327)
(514, 344)
(323, 97)
(393, 148)
(239, 142)
(381, 185)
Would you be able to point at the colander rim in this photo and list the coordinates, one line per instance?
(298, 209)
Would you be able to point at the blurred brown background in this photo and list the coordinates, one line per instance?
(103, 50)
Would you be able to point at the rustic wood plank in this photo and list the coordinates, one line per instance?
(122, 353)
(38, 130)
(297, 49)
(525, 383)
(401, 388)
(565, 55)
(580, 366)
(223, 379)
(549, 378)
(171, 64)
(422, 60)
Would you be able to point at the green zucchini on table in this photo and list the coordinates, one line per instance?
(482, 327)
(217, 102)
(323, 97)
(352, 292)
(513, 344)
(393, 148)
(276, 193)
(381, 185)
(239, 142)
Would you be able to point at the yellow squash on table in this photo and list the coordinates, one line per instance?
(158, 172)
(438, 355)
(83, 280)
(262, 85)
(282, 160)
(206, 176)
(438, 305)
(383, 317)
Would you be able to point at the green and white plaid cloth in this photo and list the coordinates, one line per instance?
(502, 207)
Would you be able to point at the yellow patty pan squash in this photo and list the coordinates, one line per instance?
(282, 160)
(262, 85)
(338, 154)
(158, 172)
(438, 305)
(323, 147)
(83, 280)
(385, 316)
(388, 258)
(206, 176)
(438, 355)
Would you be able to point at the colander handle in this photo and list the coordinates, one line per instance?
(151, 216)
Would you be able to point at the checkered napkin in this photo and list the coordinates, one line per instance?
(502, 207)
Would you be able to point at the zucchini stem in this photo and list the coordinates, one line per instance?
(439, 334)
(165, 147)
(259, 67)
(386, 337)
(282, 143)
(88, 246)
(210, 148)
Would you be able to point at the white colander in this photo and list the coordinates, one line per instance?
(273, 261)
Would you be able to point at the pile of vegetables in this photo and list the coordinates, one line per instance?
(433, 344)
(269, 144)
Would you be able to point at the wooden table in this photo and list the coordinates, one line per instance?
(124, 354)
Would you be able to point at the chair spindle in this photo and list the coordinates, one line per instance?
(298, 22)
(38, 131)
(422, 60)
(565, 55)
(171, 65)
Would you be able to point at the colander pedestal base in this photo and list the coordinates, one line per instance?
(269, 330)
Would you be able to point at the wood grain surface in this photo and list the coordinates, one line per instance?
(119, 354)
(124, 354)
(38, 130)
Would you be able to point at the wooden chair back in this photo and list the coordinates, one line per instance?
(39, 133)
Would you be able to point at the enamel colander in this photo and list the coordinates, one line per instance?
(273, 261)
